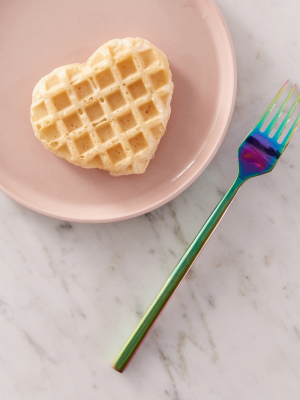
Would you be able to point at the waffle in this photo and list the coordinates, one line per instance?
(108, 113)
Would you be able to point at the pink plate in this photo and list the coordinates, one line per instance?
(38, 36)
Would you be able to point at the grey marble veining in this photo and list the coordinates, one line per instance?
(70, 294)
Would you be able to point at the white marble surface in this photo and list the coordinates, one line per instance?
(70, 294)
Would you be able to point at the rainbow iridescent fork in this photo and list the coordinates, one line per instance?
(257, 155)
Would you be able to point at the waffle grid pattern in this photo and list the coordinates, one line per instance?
(110, 114)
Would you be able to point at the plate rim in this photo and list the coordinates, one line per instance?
(216, 10)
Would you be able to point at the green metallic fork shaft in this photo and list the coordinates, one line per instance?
(176, 277)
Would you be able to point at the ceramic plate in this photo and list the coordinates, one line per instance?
(38, 36)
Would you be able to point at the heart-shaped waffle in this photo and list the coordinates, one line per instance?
(109, 112)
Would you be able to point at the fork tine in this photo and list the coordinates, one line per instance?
(269, 109)
(286, 119)
(290, 133)
(274, 120)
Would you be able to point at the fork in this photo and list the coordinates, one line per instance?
(257, 155)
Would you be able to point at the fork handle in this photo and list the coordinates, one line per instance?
(174, 280)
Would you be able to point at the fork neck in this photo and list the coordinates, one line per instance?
(238, 182)
(217, 214)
